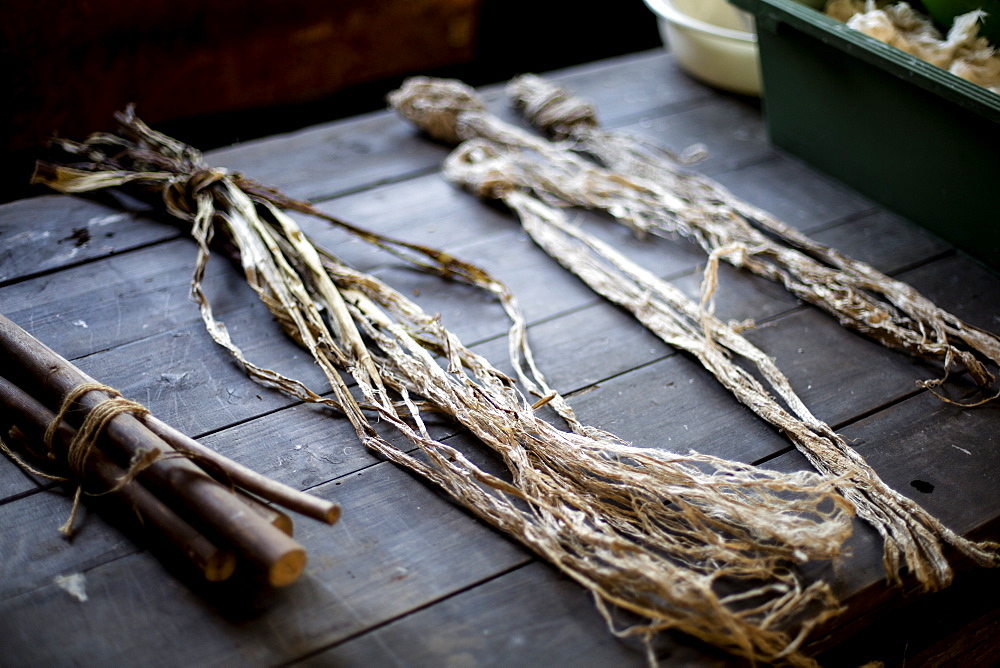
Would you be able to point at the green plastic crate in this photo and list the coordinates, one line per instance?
(911, 136)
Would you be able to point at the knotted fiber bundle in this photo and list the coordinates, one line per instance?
(858, 295)
(690, 542)
(502, 161)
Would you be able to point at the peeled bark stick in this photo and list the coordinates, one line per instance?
(246, 478)
(186, 485)
(158, 520)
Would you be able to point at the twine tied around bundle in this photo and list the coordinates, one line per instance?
(83, 443)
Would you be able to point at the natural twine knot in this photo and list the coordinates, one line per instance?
(94, 423)
(549, 107)
(86, 437)
(478, 165)
(203, 177)
(182, 193)
(434, 105)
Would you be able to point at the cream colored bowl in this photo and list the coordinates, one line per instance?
(712, 41)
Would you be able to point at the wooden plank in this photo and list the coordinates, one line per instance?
(14, 482)
(45, 233)
(426, 210)
(885, 241)
(644, 84)
(675, 405)
(336, 158)
(585, 347)
(98, 306)
(33, 552)
(542, 288)
(730, 129)
(306, 446)
(532, 616)
(186, 380)
(793, 193)
(398, 547)
(347, 155)
(836, 372)
(966, 288)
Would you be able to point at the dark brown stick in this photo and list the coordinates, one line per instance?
(241, 476)
(159, 521)
(176, 480)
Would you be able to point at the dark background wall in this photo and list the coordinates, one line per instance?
(214, 73)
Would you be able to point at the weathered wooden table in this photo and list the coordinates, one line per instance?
(407, 578)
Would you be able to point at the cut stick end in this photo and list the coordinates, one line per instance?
(288, 568)
(332, 514)
(284, 523)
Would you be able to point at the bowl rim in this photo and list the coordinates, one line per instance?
(666, 10)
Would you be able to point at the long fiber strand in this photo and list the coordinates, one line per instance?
(662, 535)
(858, 295)
(502, 161)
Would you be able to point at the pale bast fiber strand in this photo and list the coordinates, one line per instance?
(961, 51)
(510, 164)
(677, 541)
(658, 195)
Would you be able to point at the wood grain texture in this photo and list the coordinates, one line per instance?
(530, 616)
(51, 231)
(399, 547)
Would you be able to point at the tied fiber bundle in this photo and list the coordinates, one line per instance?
(858, 295)
(506, 163)
(690, 542)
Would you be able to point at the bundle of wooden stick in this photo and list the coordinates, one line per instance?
(197, 506)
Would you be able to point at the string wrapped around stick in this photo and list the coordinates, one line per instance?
(501, 161)
(94, 437)
(182, 541)
(80, 447)
(682, 541)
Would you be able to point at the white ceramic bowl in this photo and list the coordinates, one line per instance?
(712, 41)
